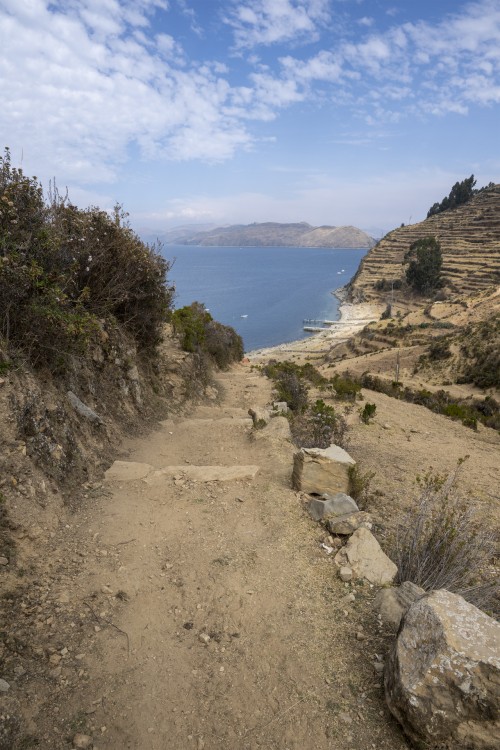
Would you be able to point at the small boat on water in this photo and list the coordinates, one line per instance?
(243, 316)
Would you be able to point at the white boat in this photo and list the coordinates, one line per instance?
(243, 316)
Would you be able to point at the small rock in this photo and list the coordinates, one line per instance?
(360, 636)
(106, 590)
(345, 573)
(4, 686)
(19, 671)
(82, 741)
(4, 561)
(204, 638)
(378, 666)
(331, 505)
(240, 499)
(55, 659)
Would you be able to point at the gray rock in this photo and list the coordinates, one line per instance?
(331, 505)
(364, 555)
(443, 674)
(321, 470)
(4, 686)
(348, 523)
(393, 603)
(260, 416)
(281, 407)
(4, 560)
(83, 410)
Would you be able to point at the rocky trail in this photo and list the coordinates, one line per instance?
(204, 614)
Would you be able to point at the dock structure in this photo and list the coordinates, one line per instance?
(314, 326)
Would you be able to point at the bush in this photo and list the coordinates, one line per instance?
(440, 544)
(200, 333)
(359, 484)
(319, 427)
(368, 413)
(63, 269)
(345, 387)
(439, 349)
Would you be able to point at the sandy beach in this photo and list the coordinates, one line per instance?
(353, 318)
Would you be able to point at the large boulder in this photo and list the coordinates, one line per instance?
(320, 470)
(364, 555)
(442, 679)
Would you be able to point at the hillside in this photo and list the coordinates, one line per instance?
(274, 234)
(470, 242)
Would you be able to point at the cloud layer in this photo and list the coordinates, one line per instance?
(87, 83)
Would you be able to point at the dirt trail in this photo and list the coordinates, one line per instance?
(174, 561)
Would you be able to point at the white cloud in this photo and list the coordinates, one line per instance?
(265, 22)
(95, 85)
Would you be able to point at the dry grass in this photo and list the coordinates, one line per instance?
(441, 544)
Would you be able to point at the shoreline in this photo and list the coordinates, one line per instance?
(353, 318)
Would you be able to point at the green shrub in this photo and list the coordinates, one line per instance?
(200, 333)
(359, 484)
(319, 427)
(62, 270)
(368, 413)
(345, 387)
(439, 349)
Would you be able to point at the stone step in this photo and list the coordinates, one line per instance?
(130, 471)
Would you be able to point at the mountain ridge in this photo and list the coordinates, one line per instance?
(276, 234)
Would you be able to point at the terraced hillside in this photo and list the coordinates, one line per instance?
(470, 242)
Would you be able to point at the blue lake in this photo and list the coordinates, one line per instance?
(265, 293)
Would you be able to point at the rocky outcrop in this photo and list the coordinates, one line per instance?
(322, 470)
(442, 678)
(364, 556)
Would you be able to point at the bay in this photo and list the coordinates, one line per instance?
(265, 293)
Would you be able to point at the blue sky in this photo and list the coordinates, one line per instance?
(338, 112)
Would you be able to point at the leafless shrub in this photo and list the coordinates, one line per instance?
(440, 544)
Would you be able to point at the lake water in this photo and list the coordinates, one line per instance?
(265, 293)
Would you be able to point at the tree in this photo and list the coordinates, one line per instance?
(424, 271)
(460, 193)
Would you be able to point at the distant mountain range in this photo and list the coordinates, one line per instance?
(270, 234)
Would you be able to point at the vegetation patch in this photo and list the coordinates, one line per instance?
(199, 333)
(469, 412)
(440, 544)
(64, 270)
(315, 425)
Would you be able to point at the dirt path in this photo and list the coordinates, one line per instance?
(210, 616)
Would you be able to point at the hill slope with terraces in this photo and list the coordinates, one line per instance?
(470, 243)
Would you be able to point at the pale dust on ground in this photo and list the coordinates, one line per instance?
(241, 562)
